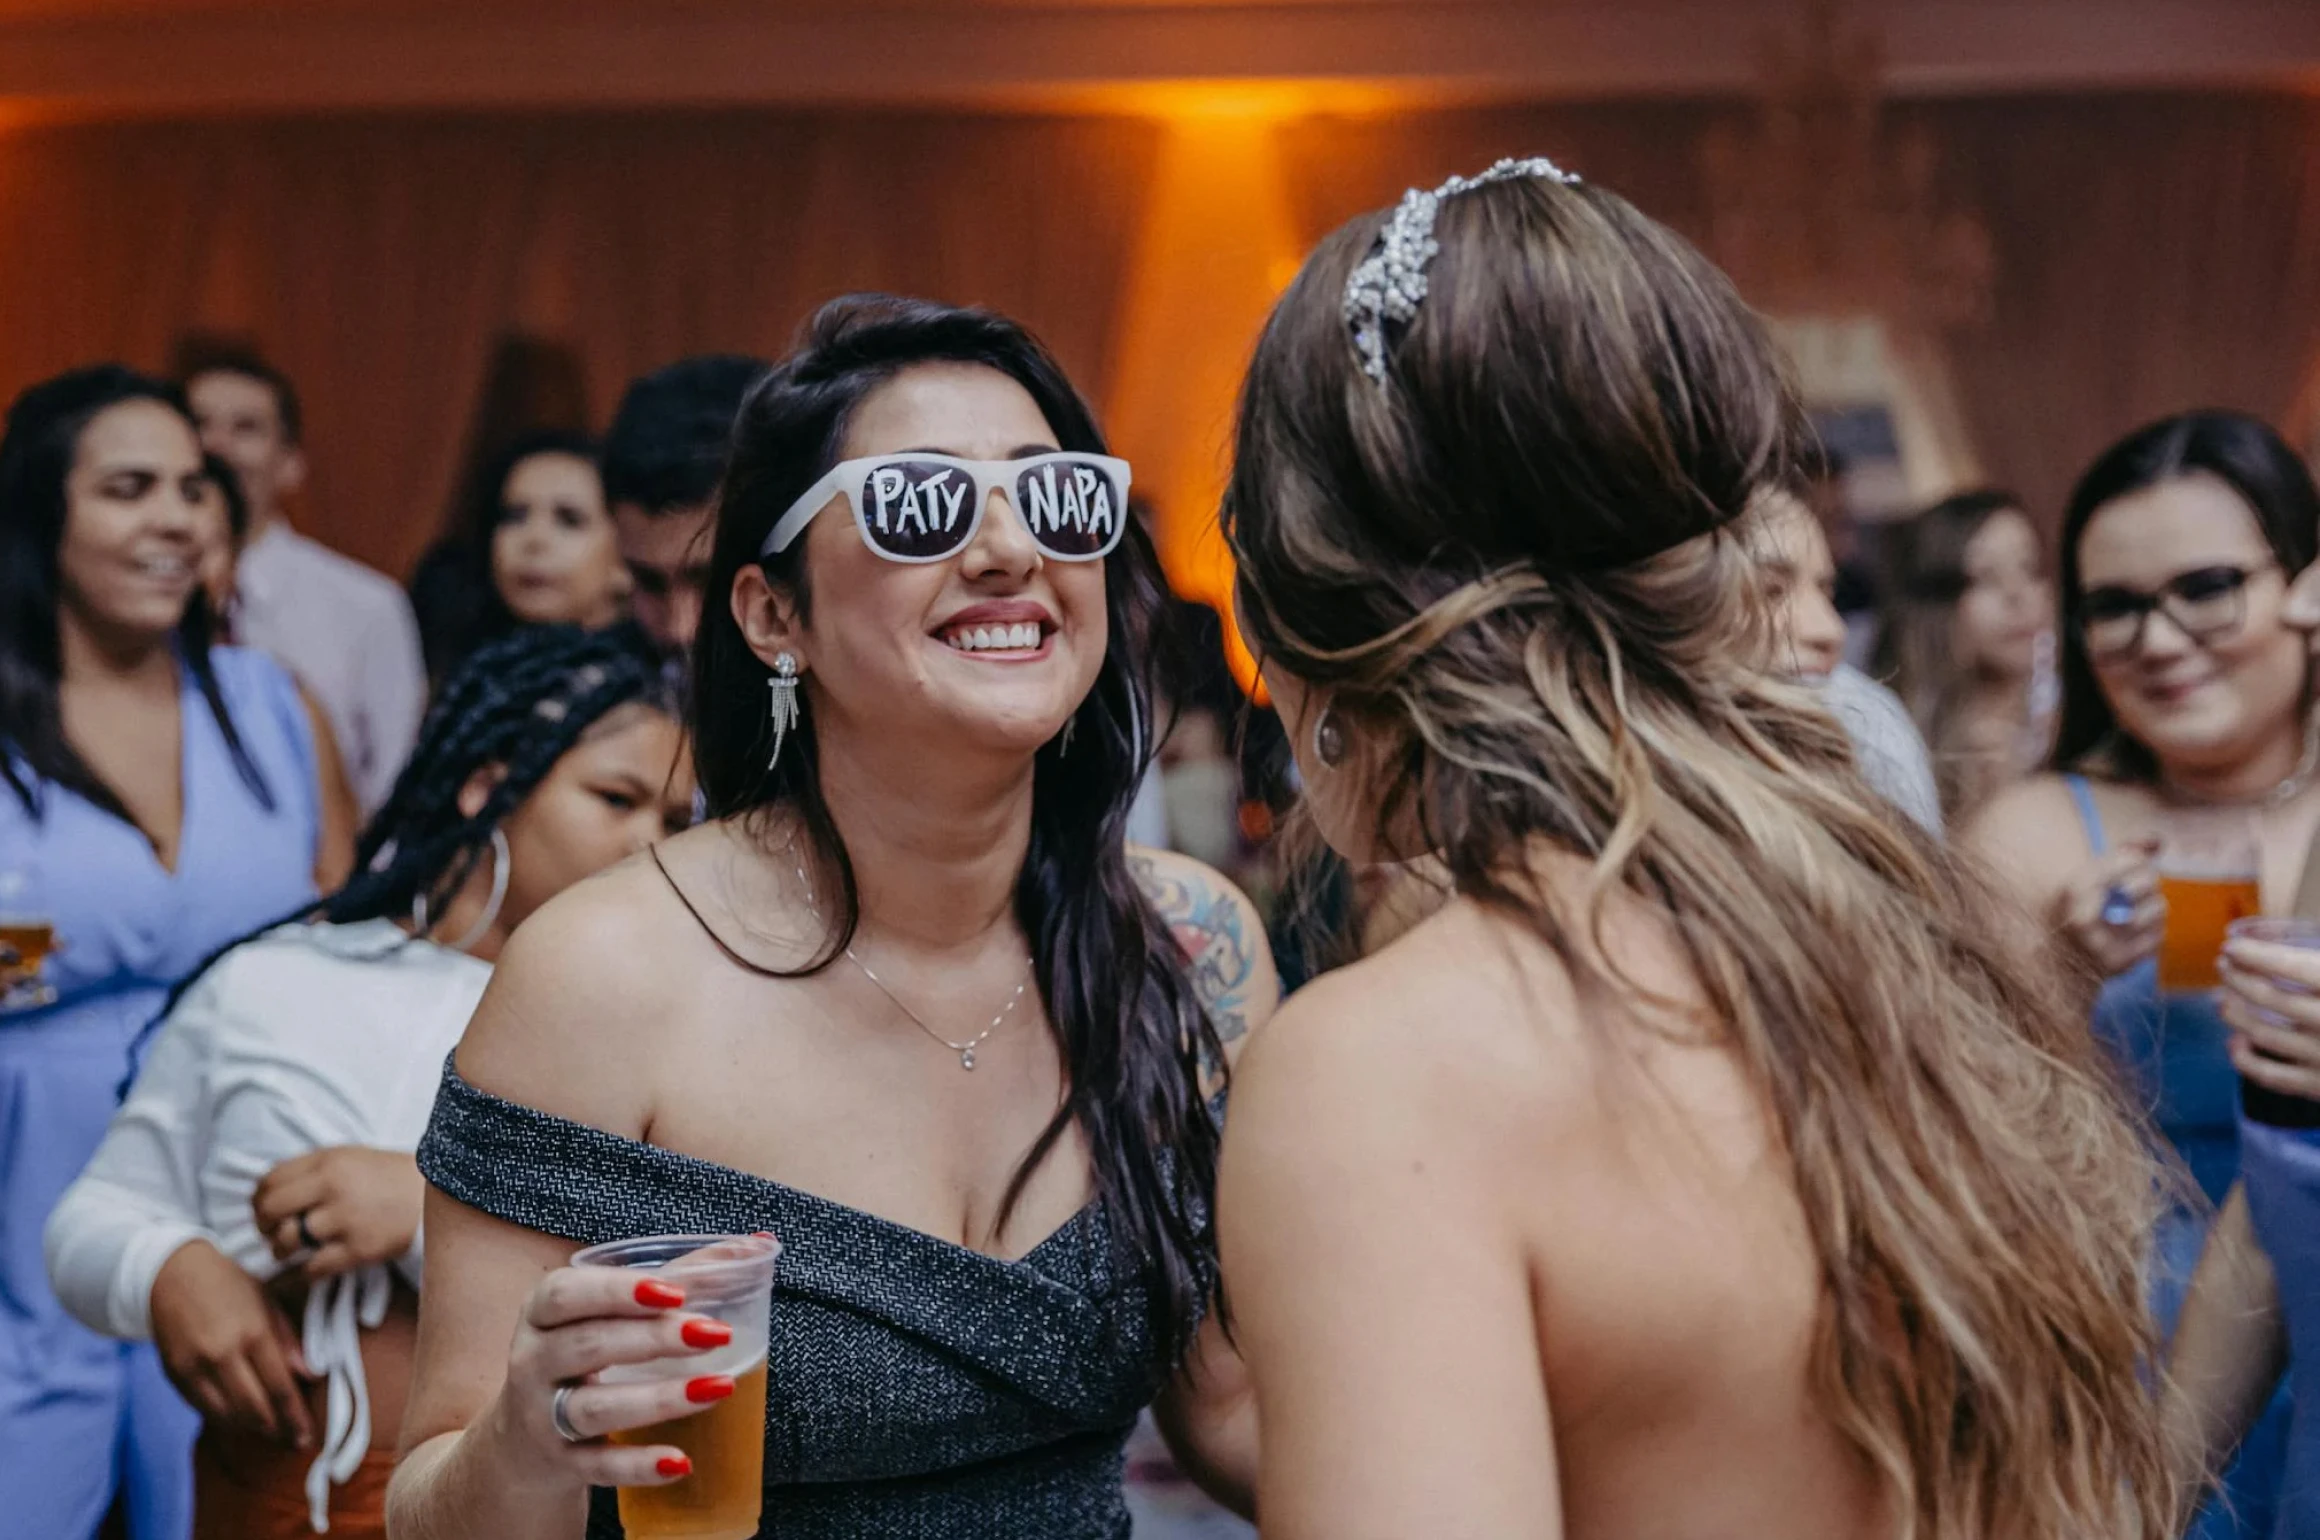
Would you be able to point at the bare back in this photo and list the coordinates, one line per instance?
(1510, 1264)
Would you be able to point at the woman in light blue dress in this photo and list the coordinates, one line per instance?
(2185, 715)
(158, 798)
(2254, 1304)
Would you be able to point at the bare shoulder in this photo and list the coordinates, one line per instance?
(1453, 1034)
(1222, 938)
(1373, 1230)
(1391, 1096)
(2030, 835)
(566, 1022)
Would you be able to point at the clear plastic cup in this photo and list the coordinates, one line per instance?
(728, 1277)
(2277, 930)
(2211, 875)
(26, 939)
(2264, 1105)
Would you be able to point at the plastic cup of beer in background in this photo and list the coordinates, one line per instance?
(2210, 874)
(730, 1278)
(27, 938)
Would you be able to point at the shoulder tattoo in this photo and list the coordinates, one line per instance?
(1212, 931)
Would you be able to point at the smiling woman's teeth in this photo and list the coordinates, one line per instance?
(994, 638)
(167, 567)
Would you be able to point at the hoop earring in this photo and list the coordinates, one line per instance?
(1063, 739)
(1328, 739)
(501, 864)
(782, 702)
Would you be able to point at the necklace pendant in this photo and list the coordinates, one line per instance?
(966, 1058)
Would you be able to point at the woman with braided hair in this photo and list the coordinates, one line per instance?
(268, 1133)
(1713, 1161)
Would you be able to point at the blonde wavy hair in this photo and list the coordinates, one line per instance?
(1520, 566)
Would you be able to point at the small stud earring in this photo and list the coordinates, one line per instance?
(1328, 739)
(782, 689)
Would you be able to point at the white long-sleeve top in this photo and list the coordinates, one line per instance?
(308, 1037)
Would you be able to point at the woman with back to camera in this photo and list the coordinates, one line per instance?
(159, 795)
(1708, 1165)
(907, 1001)
(535, 547)
(1969, 640)
(269, 1133)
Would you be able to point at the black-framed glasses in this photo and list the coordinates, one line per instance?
(2205, 604)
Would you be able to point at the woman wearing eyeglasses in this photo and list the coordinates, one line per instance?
(2184, 729)
(906, 1000)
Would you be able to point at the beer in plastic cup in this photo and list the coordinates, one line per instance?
(730, 1278)
(26, 938)
(2210, 875)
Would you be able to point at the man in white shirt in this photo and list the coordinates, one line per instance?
(344, 630)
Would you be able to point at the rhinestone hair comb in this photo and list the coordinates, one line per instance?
(1391, 280)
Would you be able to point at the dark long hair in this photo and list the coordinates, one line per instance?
(460, 607)
(1126, 1020)
(1518, 568)
(517, 704)
(228, 482)
(37, 450)
(2236, 449)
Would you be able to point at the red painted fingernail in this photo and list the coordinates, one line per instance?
(675, 1465)
(709, 1387)
(707, 1334)
(658, 1294)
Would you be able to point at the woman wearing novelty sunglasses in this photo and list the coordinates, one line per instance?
(2184, 730)
(906, 1000)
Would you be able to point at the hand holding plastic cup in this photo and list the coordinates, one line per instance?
(729, 1278)
(2276, 1017)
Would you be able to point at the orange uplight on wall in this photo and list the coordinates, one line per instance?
(1219, 245)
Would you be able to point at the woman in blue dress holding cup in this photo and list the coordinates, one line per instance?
(2184, 768)
(159, 796)
(2254, 1304)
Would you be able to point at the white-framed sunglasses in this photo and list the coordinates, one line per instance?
(922, 506)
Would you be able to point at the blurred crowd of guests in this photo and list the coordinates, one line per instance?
(1948, 614)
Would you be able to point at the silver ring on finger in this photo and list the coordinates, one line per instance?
(2118, 910)
(560, 1414)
